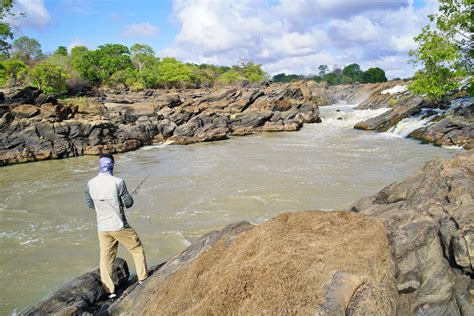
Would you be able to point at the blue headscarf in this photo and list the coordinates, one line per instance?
(106, 165)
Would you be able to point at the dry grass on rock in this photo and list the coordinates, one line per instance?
(298, 263)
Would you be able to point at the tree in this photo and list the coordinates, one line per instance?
(97, 66)
(61, 50)
(373, 75)
(77, 53)
(323, 69)
(253, 72)
(125, 77)
(12, 72)
(445, 53)
(49, 78)
(285, 78)
(26, 49)
(6, 33)
(172, 72)
(230, 77)
(352, 71)
(143, 56)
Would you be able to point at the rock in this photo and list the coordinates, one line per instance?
(328, 263)
(84, 294)
(26, 95)
(25, 111)
(385, 121)
(273, 126)
(174, 101)
(126, 303)
(133, 119)
(447, 132)
(45, 98)
(430, 223)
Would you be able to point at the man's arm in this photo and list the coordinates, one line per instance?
(89, 200)
(127, 199)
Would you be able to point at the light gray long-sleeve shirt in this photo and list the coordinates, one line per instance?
(108, 195)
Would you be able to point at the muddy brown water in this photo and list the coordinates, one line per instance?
(48, 236)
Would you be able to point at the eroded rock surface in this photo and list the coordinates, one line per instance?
(430, 223)
(34, 126)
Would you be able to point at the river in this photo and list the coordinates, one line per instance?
(48, 236)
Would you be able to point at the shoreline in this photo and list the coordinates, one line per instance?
(117, 123)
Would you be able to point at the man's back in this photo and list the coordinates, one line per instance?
(108, 194)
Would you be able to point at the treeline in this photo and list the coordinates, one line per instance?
(112, 65)
(349, 74)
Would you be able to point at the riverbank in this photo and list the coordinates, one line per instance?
(37, 127)
(405, 250)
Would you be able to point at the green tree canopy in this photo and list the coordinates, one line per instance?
(285, 78)
(12, 72)
(445, 52)
(143, 56)
(352, 71)
(373, 75)
(49, 78)
(61, 50)
(172, 72)
(6, 33)
(26, 49)
(97, 66)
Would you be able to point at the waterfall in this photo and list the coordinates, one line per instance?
(426, 116)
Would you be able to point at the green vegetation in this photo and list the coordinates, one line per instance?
(113, 65)
(445, 53)
(350, 74)
(6, 33)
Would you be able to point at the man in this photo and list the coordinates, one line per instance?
(108, 195)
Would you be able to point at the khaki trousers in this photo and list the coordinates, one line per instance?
(108, 242)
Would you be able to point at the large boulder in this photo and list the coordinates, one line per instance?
(430, 223)
(327, 263)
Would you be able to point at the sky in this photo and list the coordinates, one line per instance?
(285, 36)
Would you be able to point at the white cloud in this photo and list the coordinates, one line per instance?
(295, 36)
(75, 42)
(139, 30)
(35, 14)
(358, 29)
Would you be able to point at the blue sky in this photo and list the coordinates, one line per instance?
(292, 36)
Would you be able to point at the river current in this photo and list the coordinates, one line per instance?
(48, 236)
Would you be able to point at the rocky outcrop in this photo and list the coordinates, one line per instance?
(84, 294)
(430, 223)
(393, 116)
(453, 128)
(447, 123)
(36, 127)
(303, 262)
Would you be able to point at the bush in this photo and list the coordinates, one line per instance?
(12, 72)
(49, 78)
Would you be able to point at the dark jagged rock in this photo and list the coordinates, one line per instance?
(83, 295)
(430, 223)
(120, 120)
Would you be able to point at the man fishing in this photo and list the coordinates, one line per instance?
(108, 195)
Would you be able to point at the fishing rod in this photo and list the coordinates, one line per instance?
(138, 187)
(140, 184)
